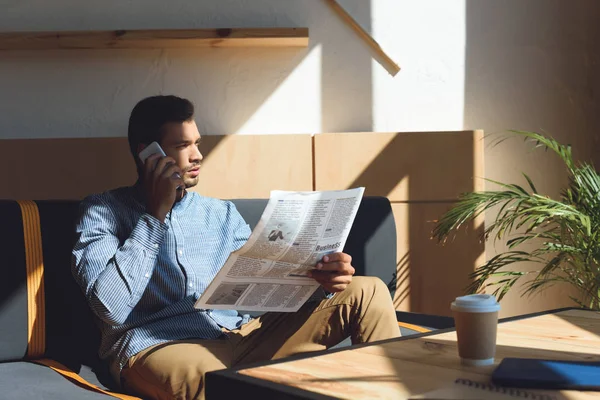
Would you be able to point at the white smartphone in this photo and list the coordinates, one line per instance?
(153, 148)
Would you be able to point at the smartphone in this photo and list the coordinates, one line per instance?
(154, 148)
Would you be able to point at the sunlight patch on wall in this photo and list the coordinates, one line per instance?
(402, 188)
(427, 39)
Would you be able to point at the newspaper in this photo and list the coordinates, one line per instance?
(269, 273)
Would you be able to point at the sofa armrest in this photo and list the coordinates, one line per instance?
(423, 321)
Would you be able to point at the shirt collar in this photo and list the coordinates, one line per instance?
(184, 203)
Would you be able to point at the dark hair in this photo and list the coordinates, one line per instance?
(151, 114)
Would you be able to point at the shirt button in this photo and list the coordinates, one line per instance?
(155, 245)
(147, 275)
(190, 285)
(180, 252)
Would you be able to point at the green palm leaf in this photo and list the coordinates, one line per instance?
(564, 232)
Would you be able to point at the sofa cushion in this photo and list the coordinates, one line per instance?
(24, 380)
(250, 209)
(13, 287)
(372, 241)
(72, 337)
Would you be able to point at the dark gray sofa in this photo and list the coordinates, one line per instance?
(66, 324)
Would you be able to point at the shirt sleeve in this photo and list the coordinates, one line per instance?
(240, 230)
(113, 275)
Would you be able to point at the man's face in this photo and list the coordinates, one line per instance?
(180, 141)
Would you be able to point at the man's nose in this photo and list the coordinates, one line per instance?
(197, 155)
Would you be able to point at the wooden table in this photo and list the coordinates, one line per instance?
(404, 367)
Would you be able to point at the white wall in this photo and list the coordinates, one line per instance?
(334, 85)
(427, 38)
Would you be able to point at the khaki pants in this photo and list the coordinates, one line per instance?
(175, 370)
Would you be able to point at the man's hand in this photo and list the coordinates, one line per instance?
(160, 184)
(334, 272)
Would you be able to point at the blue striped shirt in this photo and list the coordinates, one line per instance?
(142, 276)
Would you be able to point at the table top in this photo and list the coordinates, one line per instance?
(405, 367)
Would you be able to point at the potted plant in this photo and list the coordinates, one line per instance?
(565, 233)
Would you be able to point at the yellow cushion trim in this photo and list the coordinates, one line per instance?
(67, 373)
(34, 260)
(413, 327)
(36, 310)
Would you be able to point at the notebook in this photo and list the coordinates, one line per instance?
(470, 390)
(548, 374)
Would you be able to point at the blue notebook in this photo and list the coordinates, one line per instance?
(547, 374)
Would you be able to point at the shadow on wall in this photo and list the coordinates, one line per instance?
(533, 65)
(346, 78)
(428, 275)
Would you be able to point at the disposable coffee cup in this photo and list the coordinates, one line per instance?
(476, 322)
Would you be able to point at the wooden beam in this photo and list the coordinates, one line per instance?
(386, 60)
(152, 39)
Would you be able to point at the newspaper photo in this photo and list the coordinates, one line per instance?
(269, 273)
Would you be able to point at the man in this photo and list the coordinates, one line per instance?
(145, 253)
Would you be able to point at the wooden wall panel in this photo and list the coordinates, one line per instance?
(439, 165)
(431, 275)
(44, 169)
(421, 173)
(237, 166)
(233, 166)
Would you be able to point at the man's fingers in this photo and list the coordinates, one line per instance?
(336, 267)
(342, 257)
(328, 278)
(336, 288)
(172, 171)
(152, 159)
(163, 164)
(334, 281)
(159, 167)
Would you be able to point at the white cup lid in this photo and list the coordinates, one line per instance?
(476, 303)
